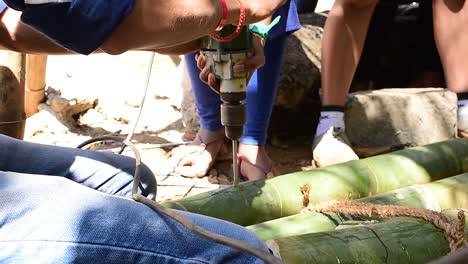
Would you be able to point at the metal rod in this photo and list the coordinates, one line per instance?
(235, 165)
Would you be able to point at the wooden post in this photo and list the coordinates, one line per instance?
(12, 80)
(35, 82)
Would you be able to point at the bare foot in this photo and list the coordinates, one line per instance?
(196, 159)
(254, 162)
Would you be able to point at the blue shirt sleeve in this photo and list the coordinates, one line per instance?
(78, 25)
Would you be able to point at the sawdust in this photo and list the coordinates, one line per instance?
(305, 190)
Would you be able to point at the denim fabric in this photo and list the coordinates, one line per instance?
(63, 219)
(105, 172)
(48, 219)
(261, 93)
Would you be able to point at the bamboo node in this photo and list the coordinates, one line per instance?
(454, 231)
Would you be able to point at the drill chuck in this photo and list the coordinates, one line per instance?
(233, 114)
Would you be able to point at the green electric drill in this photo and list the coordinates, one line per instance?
(221, 58)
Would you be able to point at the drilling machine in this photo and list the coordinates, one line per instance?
(221, 58)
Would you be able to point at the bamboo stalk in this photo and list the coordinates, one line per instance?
(460, 257)
(260, 201)
(399, 241)
(437, 196)
(36, 66)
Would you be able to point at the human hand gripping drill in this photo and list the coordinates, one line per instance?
(222, 51)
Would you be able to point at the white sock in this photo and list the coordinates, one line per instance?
(330, 119)
(463, 115)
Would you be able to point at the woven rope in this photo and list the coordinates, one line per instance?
(454, 231)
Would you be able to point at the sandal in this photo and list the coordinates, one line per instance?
(188, 160)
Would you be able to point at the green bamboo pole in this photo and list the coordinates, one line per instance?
(398, 241)
(260, 201)
(437, 196)
(460, 257)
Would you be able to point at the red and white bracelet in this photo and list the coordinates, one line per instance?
(240, 24)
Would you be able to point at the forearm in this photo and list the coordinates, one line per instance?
(168, 26)
(16, 36)
(165, 23)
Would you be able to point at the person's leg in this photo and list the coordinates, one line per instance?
(261, 94)
(105, 172)
(196, 160)
(48, 219)
(344, 36)
(451, 36)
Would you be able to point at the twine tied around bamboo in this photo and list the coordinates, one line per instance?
(454, 231)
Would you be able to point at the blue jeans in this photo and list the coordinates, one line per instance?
(63, 219)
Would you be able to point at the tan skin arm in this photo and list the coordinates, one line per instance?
(164, 23)
(154, 25)
(16, 36)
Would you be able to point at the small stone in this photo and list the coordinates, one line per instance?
(122, 120)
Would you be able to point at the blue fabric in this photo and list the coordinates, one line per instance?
(3, 6)
(289, 20)
(81, 26)
(105, 172)
(261, 92)
(63, 219)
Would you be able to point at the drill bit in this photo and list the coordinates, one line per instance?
(235, 165)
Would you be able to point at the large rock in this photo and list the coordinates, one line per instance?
(297, 105)
(391, 117)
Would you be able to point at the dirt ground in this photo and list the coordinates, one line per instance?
(117, 82)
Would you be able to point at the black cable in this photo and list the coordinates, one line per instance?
(230, 242)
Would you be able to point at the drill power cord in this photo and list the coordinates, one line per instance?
(142, 102)
(220, 239)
